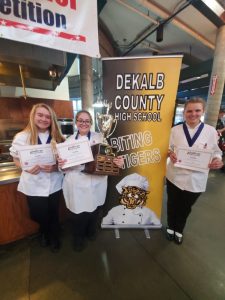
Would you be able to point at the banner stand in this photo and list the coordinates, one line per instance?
(145, 227)
(140, 93)
(147, 234)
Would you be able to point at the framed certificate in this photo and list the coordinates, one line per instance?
(76, 153)
(193, 159)
(36, 155)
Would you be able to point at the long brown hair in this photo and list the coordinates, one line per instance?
(54, 129)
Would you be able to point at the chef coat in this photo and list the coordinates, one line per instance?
(42, 184)
(189, 180)
(84, 192)
(141, 215)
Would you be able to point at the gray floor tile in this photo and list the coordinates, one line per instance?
(131, 267)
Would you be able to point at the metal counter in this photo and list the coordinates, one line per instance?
(9, 174)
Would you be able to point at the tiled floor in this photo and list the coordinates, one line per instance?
(131, 267)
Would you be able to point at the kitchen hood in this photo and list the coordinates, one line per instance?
(40, 67)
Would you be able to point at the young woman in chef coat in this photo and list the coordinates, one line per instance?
(84, 193)
(41, 184)
(184, 186)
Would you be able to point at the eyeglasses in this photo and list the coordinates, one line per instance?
(86, 122)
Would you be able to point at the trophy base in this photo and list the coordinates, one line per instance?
(102, 164)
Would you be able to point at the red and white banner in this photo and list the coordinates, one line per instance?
(67, 25)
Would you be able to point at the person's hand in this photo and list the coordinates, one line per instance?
(219, 131)
(34, 170)
(216, 163)
(173, 157)
(49, 168)
(61, 162)
(119, 161)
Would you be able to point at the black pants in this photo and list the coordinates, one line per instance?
(85, 224)
(179, 205)
(45, 211)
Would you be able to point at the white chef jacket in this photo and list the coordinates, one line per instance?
(84, 192)
(189, 180)
(42, 184)
(141, 215)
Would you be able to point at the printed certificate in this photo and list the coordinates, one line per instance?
(193, 159)
(36, 155)
(76, 153)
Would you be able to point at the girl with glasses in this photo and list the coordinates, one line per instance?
(84, 193)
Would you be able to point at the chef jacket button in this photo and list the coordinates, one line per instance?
(139, 222)
(123, 214)
(139, 215)
(122, 221)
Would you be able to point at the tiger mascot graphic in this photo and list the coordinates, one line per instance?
(134, 193)
(133, 196)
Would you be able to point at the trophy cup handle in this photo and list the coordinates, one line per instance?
(97, 114)
(114, 121)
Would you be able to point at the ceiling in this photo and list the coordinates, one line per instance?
(147, 27)
(135, 28)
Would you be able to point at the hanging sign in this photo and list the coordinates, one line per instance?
(213, 85)
(67, 25)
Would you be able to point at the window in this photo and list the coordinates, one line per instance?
(76, 105)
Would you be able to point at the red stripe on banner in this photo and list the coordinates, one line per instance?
(63, 35)
(68, 36)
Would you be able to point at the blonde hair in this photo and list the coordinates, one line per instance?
(196, 100)
(54, 129)
(86, 112)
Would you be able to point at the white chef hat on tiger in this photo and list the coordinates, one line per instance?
(133, 180)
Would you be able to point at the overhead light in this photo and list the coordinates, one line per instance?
(98, 104)
(214, 6)
(194, 78)
(52, 73)
(101, 103)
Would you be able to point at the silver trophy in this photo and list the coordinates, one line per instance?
(104, 153)
(106, 124)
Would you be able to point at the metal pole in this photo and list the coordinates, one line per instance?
(217, 79)
(22, 81)
(86, 83)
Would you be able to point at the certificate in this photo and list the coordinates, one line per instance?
(33, 155)
(193, 159)
(75, 153)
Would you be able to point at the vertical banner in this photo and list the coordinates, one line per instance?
(142, 92)
(66, 25)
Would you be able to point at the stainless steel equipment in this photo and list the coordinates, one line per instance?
(4, 151)
(67, 126)
(8, 129)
